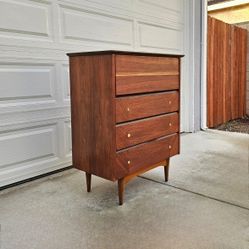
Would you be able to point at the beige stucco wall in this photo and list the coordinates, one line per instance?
(232, 15)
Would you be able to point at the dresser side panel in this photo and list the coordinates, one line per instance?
(179, 104)
(93, 114)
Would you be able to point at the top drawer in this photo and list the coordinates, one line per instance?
(140, 74)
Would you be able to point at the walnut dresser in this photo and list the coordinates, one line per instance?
(125, 113)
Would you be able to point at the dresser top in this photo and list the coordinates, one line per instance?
(123, 53)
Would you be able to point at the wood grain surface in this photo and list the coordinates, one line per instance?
(226, 73)
(136, 132)
(141, 106)
(93, 114)
(142, 123)
(147, 154)
(137, 65)
(131, 84)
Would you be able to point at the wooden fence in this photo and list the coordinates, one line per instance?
(226, 73)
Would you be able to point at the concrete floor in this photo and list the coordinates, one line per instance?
(205, 204)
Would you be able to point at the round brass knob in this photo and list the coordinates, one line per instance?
(170, 102)
(128, 135)
(170, 124)
(128, 109)
(129, 162)
(170, 146)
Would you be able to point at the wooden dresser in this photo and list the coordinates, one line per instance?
(125, 113)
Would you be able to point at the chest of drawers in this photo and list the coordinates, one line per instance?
(125, 113)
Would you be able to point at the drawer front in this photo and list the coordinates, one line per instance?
(139, 74)
(144, 155)
(142, 84)
(146, 65)
(136, 132)
(131, 108)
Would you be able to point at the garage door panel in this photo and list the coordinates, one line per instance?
(28, 145)
(35, 35)
(82, 25)
(25, 18)
(27, 85)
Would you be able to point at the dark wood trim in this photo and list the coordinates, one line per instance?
(88, 182)
(121, 187)
(166, 170)
(123, 53)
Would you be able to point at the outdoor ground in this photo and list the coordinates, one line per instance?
(205, 204)
(238, 125)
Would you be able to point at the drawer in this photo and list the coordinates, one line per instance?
(140, 74)
(144, 155)
(141, 84)
(127, 65)
(136, 132)
(136, 107)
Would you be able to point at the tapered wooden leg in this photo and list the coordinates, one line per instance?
(166, 170)
(88, 181)
(121, 185)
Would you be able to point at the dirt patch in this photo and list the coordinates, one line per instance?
(238, 125)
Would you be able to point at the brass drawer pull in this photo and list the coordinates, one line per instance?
(170, 146)
(128, 135)
(128, 109)
(170, 124)
(170, 102)
(129, 162)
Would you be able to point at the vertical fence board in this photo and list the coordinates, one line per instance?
(233, 72)
(226, 73)
(216, 70)
(242, 73)
(219, 74)
(210, 69)
(235, 83)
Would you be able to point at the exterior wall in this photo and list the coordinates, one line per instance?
(35, 36)
(246, 26)
(236, 14)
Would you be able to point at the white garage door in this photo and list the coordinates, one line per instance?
(35, 35)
